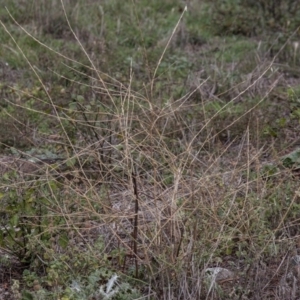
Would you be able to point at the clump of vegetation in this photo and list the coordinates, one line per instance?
(252, 18)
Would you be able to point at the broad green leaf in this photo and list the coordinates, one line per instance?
(14, 220)
(63, 240)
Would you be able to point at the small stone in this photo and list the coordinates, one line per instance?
(219, 274)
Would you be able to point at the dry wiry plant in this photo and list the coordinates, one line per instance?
(155, 183)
